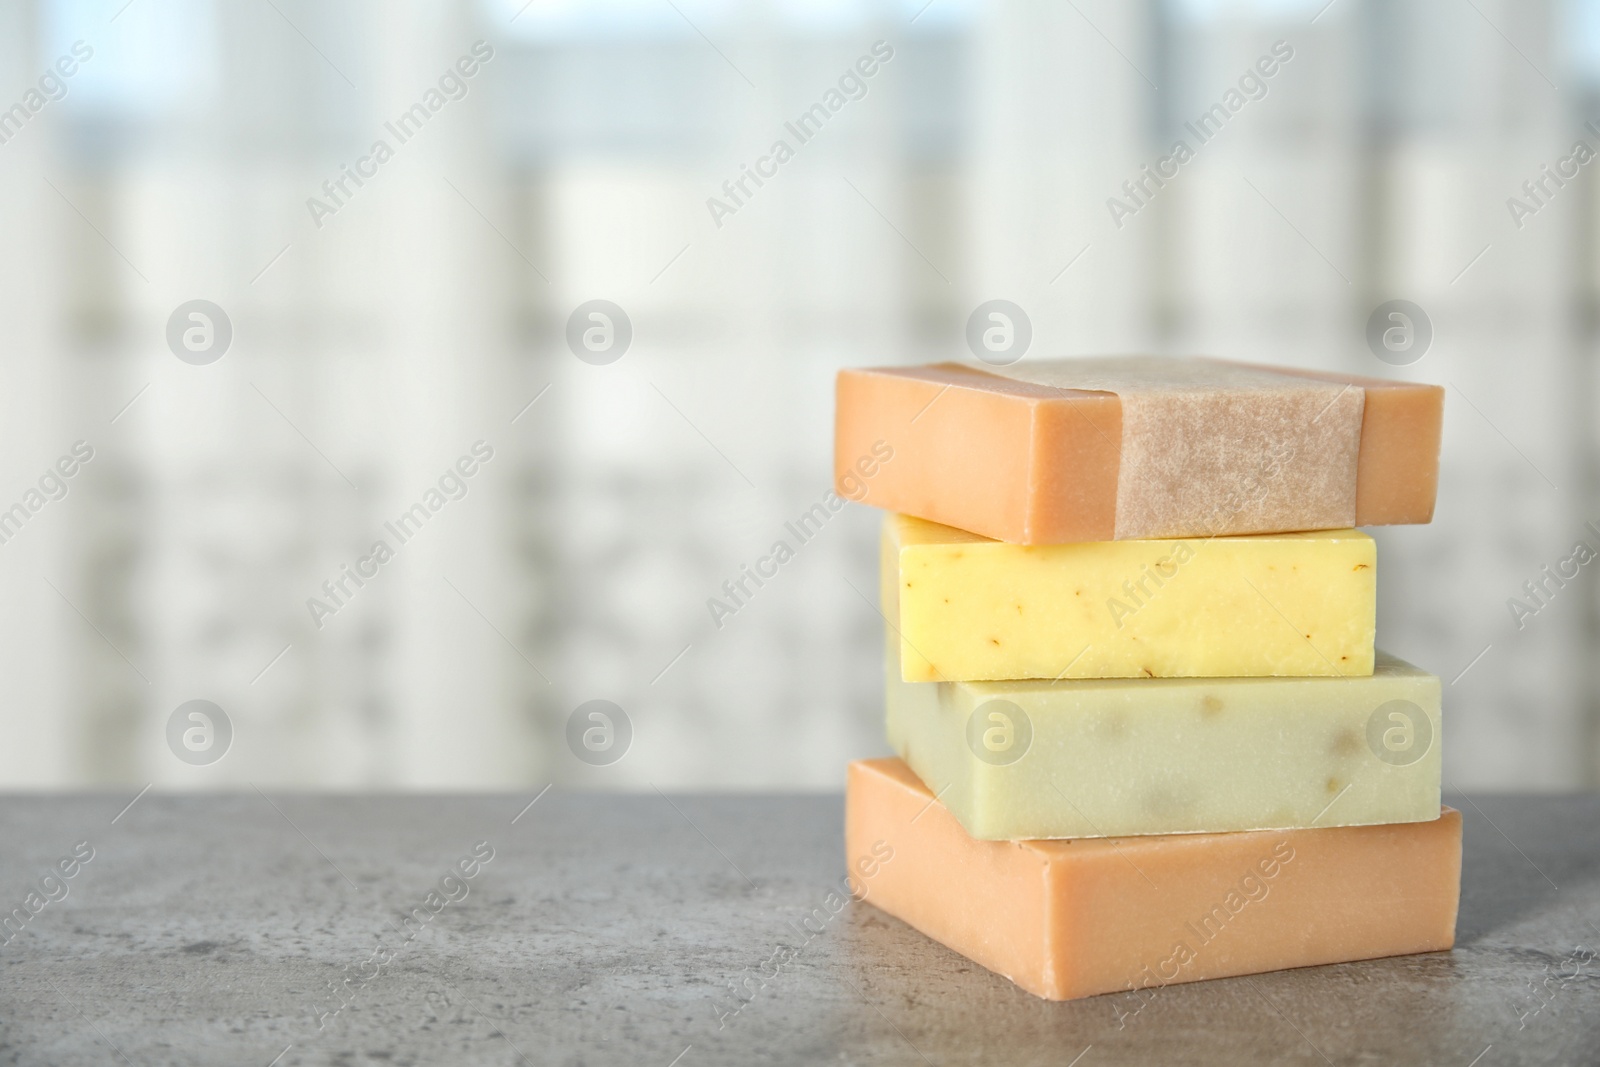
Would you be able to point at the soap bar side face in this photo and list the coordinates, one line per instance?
(1075, 500)
(1402, 420)
(1161, 911)
(985, 900)
(1283, 604)
(1122, 757)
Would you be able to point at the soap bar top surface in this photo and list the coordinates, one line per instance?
(1066, 919)
(1099, 449)
(968, 608)
(1135, 756)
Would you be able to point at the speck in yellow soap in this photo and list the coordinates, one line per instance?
(967, 608)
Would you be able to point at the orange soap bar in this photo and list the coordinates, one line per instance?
(1187, 447)
(1066, 919)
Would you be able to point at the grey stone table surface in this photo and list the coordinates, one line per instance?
(280, 929)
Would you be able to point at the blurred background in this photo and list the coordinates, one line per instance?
(380, 329)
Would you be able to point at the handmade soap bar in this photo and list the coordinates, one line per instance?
(966, 608)
(1118, 756)
(1052, 451)
(1066, 919)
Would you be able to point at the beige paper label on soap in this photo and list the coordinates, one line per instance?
(1218, 448)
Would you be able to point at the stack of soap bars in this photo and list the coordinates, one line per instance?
(1144, 733)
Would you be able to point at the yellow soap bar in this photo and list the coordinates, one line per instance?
(966, 608)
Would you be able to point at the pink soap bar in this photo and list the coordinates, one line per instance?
(1229, 449)
(1066, 919)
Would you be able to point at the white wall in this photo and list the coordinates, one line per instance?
(426, 313)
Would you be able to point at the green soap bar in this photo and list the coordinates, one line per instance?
(1117, 756)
